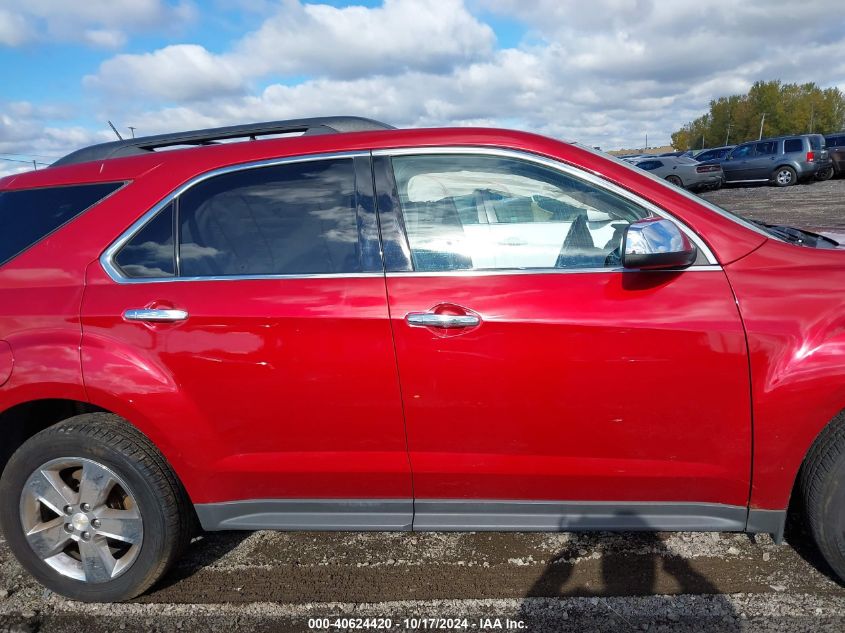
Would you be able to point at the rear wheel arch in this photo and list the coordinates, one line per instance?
(24, 420)
(792, 171)
(141, 530)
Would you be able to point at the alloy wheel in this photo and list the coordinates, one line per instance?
(81, 519)
(784, 177)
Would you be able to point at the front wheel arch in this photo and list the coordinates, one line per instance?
(819, 497)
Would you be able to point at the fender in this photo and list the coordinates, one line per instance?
(40, 364)
(796, 343)
(131, 384)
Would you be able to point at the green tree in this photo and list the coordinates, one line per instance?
(788, 109)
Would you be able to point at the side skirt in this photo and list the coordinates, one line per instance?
(353, 515)
(554, 516)
(463, 515)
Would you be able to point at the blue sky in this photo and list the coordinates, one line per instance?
(604, 72)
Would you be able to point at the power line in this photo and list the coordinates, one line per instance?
(28, 162)
(28, 155)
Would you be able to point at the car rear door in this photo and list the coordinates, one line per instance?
(263, 336)
(544, 387)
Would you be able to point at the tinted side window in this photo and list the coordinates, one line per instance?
(466, 212)
(29, 215)
(649, 165)
(298, 218)
(150, 252)
(765, 148)
(706, 156)
(793, 145)
(743, 151)
(836, 141)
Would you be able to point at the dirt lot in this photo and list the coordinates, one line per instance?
(541, 582)
(815, 205)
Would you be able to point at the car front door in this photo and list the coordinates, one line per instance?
(737, 165)
(760, 167)
(543, 386)
(264, 340)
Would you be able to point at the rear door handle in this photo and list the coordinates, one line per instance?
(429, 319)
(155, 316)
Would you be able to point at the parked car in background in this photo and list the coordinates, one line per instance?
(712, 153)
(836, 148)
(688, 152)
(683, 171)
(784, 160)
(364, 328)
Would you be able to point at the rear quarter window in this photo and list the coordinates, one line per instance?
(29, 215)
(793, 145)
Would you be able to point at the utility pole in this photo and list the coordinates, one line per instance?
(762, 121)
(646, 141)
(728, 133)
(812, 117)
(132, 129)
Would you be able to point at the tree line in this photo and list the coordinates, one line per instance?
(780, 108)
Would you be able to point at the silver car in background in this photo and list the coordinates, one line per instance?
(683, 171)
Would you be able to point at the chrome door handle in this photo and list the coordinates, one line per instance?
(430, 319)
(155, 316)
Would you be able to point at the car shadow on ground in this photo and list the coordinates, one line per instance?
(654, 573)
(798, 537)
(204, 550)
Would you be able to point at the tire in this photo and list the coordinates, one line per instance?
(133, 494)
(823, 493)
(675, 181)
(824, 174)
(785, 176)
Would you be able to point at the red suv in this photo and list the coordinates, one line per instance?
(364, 328)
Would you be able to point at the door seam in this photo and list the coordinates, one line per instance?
(393, 339)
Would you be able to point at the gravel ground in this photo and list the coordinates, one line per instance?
(811, 205)
(267, 581)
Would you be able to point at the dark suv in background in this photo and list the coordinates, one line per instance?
(713, 153)
(836, 149)
(783, 160)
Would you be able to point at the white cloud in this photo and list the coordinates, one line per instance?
(357, 41)
(30, 132)
(102, 23)
(105, 38)
(604, 74)
(174, 73)
(314, 40)
(14, 29)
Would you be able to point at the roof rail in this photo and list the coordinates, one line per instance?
(144, 144)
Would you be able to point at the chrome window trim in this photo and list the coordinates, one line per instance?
(111, 269)
(569, 170)
(494, 272)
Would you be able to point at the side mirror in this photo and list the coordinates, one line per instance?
(656, 243)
